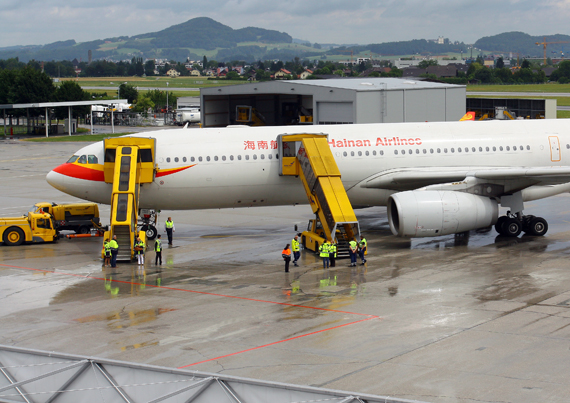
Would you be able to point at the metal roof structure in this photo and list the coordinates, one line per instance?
(372, 83)
(68, 104)
(34, 376)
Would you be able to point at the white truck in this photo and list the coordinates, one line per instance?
(189, 116)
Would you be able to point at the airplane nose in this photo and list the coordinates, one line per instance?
(56, 180)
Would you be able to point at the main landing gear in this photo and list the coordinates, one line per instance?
(512, 225)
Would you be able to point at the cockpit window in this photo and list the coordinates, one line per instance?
(72, 159)
(82, 159)
(92, 159)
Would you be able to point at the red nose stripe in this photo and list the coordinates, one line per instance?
(79, 172)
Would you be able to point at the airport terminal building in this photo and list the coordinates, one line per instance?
(334, 101)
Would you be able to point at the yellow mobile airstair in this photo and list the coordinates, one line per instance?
(309, 157)
(129, 163)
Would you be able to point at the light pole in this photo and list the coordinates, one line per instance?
(167, 96)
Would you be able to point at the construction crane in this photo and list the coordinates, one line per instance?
(544, 43)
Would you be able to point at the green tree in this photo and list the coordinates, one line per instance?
(500, 63)
(525, 64)
(424, 64)
(32, 86)
(127, 91)
(149, 67)
(232, 75)
(143, 104)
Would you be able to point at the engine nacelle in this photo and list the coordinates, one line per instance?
(432, 213)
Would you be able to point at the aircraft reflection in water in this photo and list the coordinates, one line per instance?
(435, 178)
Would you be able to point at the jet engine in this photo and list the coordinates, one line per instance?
(428, 213)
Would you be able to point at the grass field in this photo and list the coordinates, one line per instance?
(549, 87)
(154, 82)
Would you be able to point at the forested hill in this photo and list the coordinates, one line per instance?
(205, 33)
(525, 44)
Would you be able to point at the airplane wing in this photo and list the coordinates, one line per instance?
(402, 179)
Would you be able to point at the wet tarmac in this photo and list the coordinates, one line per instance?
(475, 318)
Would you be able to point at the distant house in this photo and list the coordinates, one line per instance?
(443, 71)
(195, 73)
(172, 73)
(210, 73)
(305, 74)
(380, 70)
(280, 75)
(413, 72)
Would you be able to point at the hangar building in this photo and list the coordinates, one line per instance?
(333, 101)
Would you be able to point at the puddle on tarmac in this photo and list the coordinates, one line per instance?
(125, 319)
(139, 345)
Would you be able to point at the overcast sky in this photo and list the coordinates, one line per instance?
(36, 22)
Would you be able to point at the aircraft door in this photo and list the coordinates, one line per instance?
(554, 148)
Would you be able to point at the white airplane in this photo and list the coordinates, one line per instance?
(435, 178)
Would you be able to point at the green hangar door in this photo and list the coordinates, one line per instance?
(330, 113)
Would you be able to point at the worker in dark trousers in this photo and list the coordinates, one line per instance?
(332, 253)
(286, 255)
(296, 250)
(158, 250)
(114, 245)
(169, 228)
(324, 253)
(353, 249)
(362, 246)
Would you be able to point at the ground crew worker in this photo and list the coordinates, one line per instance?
(332, 253)
(324, 253)
(169, 228)
(286, 254)
(296, 250)
(158, 250)
(352, 249)
(139, 251)
(114, 246)
(362, 245)
(107, 248)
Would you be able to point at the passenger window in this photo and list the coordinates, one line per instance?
(184, 159)
(452, 149)
(247, 157)
(431, 150)
(231, 157)
(254, 156)
(438, 150)
(425, 151)
(396, 152)
(418, 150)
(528, 147)
(92, 159)
(192, 159)
(200, 159)
(410, 151)
(374, 152)
(262, 156)
(269, 156)
(458, 149)
(467, 149)
(352, 153)
(345, 153)
(82, 159)
(445, 150)
(176, 159)
(494, 148)
(360, 153)
(487, 149)
(72, 159)
(239, 157)
(403, 152)
(501, 148)
(381, 152)
(223, 157)
(208, 158)
(480, 149)
(508, 148)
(168, 159)
(215, 157)
(367, 153)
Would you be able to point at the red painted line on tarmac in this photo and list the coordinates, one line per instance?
(280, 341)
(368, 316)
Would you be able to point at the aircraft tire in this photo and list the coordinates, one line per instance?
(83, 230)
(512, 227)
(499, 224)
(151, 232)
(13, 236)
(537, 226)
